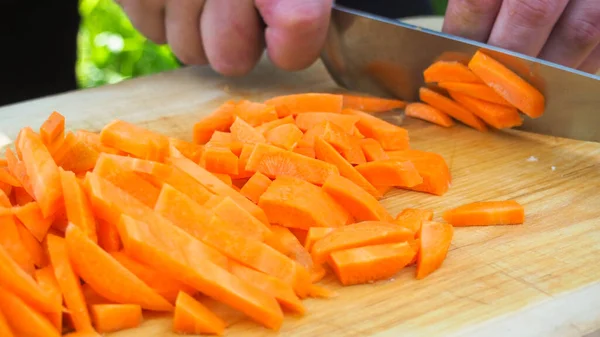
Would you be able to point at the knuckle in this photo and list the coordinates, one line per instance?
(584, 32)
(305, 15)
(534, 13)
(479, 7)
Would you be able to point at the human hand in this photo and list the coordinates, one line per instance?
(561, 31)
(231, 35)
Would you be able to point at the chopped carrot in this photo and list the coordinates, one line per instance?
(31, 248)
(31, 216)
(390, 173)
(242, 161)
(370, 263)
(315, 234)
(360, 234)
(412, 218)
(108, 236)
(309, 120)
(486, 213)
(307, 102)
(255, 113)
(92, 297)
(508, 85)
(434, 242)
(135, 140)
(428, 113)
(22, 198)
(317, 273)
(300, 234)
(229, 211)
(53, 129)
(431, 166)
(191, 317)
(390, 136)
(25, 320)
(8, 178)
(13, 243)
(243, 132)
(220, 120)
(75, 155)
(449, 71)
(6, 188)
(330, 132)
(354, 155)
(321, 292)
(415, 244)
(79, 210)
(255, 187)
(361, 205)
(18, 170)
(115, 317)
(305, 151)
(264, 128)
(373, 150)
(192, 151)
(5, 329)
(371, 104)
(476, 90)
(287, 243)
(93, 139)
(292, 202)
(47, 281)
(220, 160)
(448, 106)
(221, 137)
(273, 162)
(285, 136)
(498, 116)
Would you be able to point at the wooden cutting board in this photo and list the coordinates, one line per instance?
(538, 279)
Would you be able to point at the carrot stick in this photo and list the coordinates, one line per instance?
(18, 170)
(53, 129)
(373, 150)
(220, 120)
(220, 160)
(307, 102)
(25, 320)
(75, 155)
(390, 136)
(371, 104)
(370, 263)
(6, 188)
(191, 151)
(93, 140)
(317, 274)
(31, 216)
(5, 330)
(31, 248)
(237, 217)
(79, 210)
(47, 281)
(360, 234)
(264, 128)
(108, 236)
(242, 161)
(315, 234)
(135, 140)
(225, 140)
(412, 218)
(475, 90)
(255, 113)
(390, 173)
(287, 243)
(428, 113)
(191, 317)
(285, 136)
(508, 85)
(361, 205)
(355, 155)
(255, 187)
(432, 167)
(309, 120)
(415, 244)
(305, 151)
(448, 106)
(321, 292)
(13, 243)
(449, 71)
(21, 196)
(292, 202)
(243, 132)
(115, 317)
(498, 116)
(273, 162)
(8, 178)
(486, 213)
(435, 239)
(330, 132)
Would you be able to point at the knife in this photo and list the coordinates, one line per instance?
(386, 57)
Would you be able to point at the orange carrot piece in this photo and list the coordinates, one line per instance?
(508, 85)
(285, 136)
(8, 178)
(18, 170)
(300, 234)
(449, 71)
(373, 150)
(321, 292)
(315, 234)
(135, 140)
(220, 160)
(428, 113)
(115, 317)
(330, 132)
(93, 140)
(42, 170)
(305, 151)
(5, 329)
(191, 151)
(355, 154)
(371, 263)
(498, 116)
(25, 320)
(255, 113)
(242, 161)
(390, 173)
(92, 297)
(431, 166)
(220, 120)
(281, 291)
(361, 205)
(412, 218)
(192, 317)
(448, 106)
(476, 90)
(243, 132)
(21, 196)
(12, 241)
(317, 274)
(309, 120)
(268, 126)
(108, 236)
(52, 128)
(434, 242)
(371, 104)
(486, 213)
(115, 283)
(273, 162)
(229, 211)
(198, 272)
(79, 210)
(415, 244)
(3, 162)
(390, 136)
(47, 281)
(31, 248)
(255, 187)
(287, 243)
(68, 282)
(292, 202)
(75, 155)
(306, 102)
(6, 188)
(31, 216)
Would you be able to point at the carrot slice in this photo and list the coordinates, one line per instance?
(237, 217)
(273, 162)
(255, 187)
(371, 104)
(68, 282)
(220, 120)
(25, 320)
(373, 150)
(191, 317)
(306, 102)
(47, 281)
(220, 160)
(412, 218)
(371, 263)
(31, 216)
(115, 317)
(11, 240)
(390, 173)
(75, 155)
(361, 205)
(5, 330)
(108, 236)
(498, 116)
(93, 140)
(449, 71)
(135, 140)
(434, 242)
(330, 132)
(309, 120)
(264, 128)
(32, 250)
(355, 155)
(122, 286)
(43, 172)
(451, 108)
(52, 128)
(431, 166)
(243, 132)
(476, 90)
(305, 151)
(315, 234)
(79, 210)
(285, 136)
(292, 202)
(508, 85)
(390, 136)
(287, 243)
(486, 213)
(255, 113)
(428, 113)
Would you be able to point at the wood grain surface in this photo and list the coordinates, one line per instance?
(538, 279)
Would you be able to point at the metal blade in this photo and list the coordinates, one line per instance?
(380, 56)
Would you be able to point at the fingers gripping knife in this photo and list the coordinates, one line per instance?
(380, 56)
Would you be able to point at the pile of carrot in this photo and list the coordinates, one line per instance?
(98, 228)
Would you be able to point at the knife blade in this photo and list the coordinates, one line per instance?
(381, 56)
